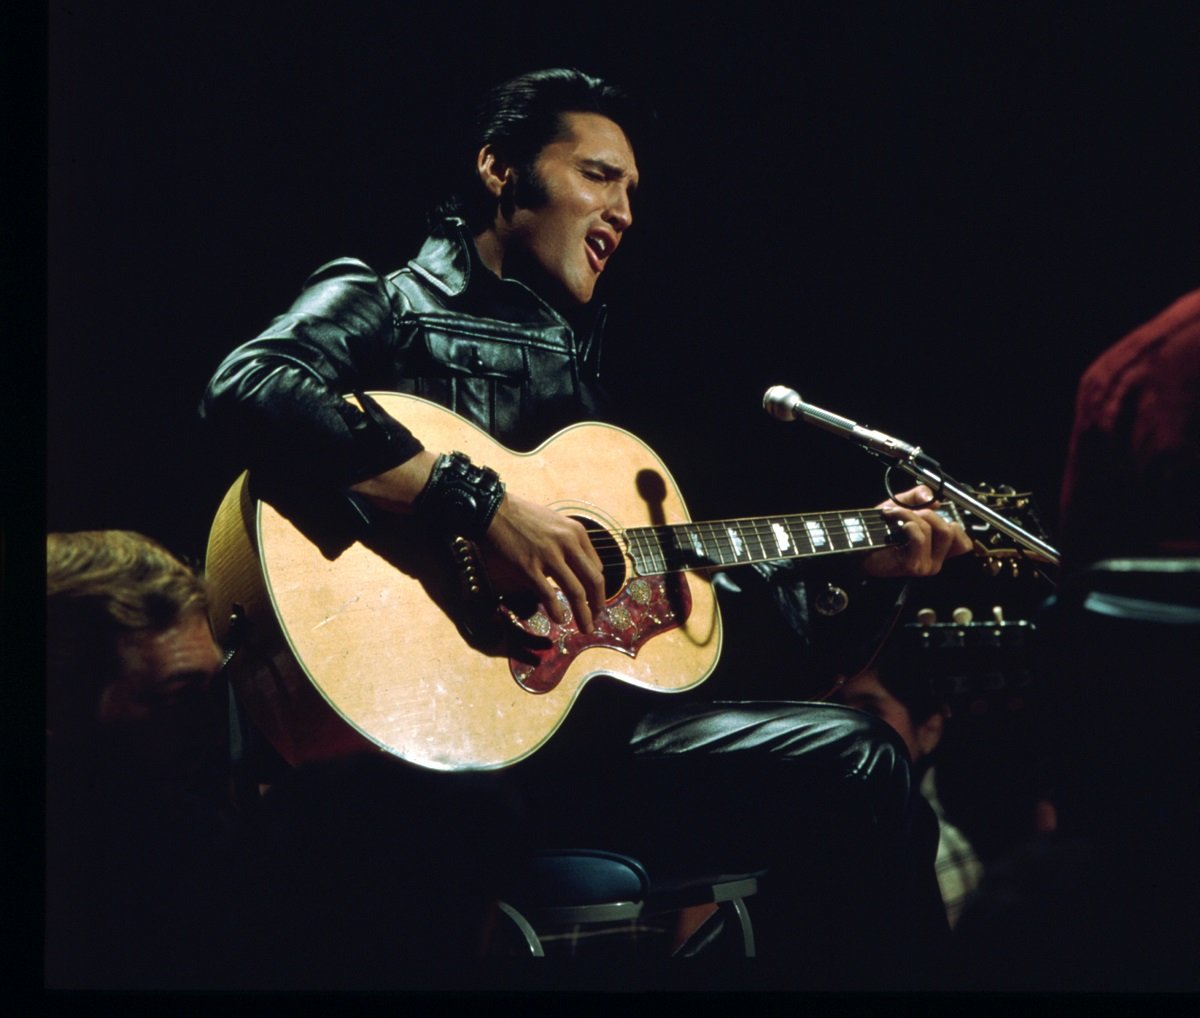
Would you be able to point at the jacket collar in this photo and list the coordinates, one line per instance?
(449, 260)
(447, 257)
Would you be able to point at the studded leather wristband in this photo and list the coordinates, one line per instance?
(460, 498)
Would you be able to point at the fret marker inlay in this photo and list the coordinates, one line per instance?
(856, 530)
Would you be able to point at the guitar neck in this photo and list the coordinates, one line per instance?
(677, 547)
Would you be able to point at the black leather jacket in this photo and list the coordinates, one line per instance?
(443, 327)
(446, 328)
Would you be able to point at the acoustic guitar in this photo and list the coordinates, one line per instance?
(397, 643)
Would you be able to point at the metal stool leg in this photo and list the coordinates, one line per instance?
(527, 931)
(743, 915)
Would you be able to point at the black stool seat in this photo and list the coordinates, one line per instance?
(591, 886)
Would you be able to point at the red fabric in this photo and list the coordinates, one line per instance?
(1132, 480)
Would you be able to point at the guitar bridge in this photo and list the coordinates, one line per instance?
(479, 617)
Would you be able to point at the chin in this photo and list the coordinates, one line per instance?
(571, 298)
(584, 293)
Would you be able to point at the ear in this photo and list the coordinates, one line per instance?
(929, 733)
(493, 170)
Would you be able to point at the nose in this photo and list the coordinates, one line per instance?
(619, 214)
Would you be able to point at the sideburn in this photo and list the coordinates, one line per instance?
(523, 190)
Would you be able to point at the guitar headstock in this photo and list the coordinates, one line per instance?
(1000, 552)
(978, 665)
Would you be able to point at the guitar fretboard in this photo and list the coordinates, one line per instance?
(676, 547)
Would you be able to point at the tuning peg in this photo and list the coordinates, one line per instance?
(962, 616)
(927, 617)
(998, 613)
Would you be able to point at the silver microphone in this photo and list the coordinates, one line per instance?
(785, 404)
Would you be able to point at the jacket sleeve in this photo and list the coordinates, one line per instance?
(279, 399)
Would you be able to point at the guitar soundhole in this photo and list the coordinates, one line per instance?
(612, 556)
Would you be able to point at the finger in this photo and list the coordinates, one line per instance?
(590, 570)
(918, 496)
(547, 595)
(577, 598)
(919, 543)
(956, 540)
(941, 541)
(914, 553)
(949, 539)
(587, 575)
(962, 542)
(566, 584)
(589, 550)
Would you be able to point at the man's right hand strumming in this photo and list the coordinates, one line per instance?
(528, 549)
(527, 546)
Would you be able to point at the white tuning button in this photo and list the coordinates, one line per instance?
(927, 617)
(962, 616)
(998, 613)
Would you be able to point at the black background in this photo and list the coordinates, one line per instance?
(928, 217)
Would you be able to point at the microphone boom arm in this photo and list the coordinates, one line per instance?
(911, 462)
(786, 405)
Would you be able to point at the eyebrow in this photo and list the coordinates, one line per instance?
(610, 170)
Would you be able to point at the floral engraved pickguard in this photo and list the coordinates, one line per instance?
(645, 607)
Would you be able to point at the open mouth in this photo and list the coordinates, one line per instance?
(599, 248)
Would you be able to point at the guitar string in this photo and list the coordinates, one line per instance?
(761, 530)
(758, 526)
(656, 542)
(869, 520)
(639, 543)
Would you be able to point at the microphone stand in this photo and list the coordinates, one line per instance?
(786, 404)
(915, 462)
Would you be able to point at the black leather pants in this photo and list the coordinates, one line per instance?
(820, 795)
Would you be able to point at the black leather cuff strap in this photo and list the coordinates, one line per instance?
(460, 498)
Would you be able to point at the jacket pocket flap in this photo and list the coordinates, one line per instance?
(475, 356)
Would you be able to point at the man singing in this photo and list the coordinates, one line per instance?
(494, 318)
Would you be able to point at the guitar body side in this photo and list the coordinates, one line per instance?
(360, 652)
(271, 685)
